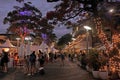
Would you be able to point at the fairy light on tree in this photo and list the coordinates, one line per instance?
(22, 20)
(100, 33)
(116, 38)
(112, 52)
(23, 32)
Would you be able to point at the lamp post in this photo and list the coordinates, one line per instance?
(18, 39)
(28, 39)
(73, 45)
(87, 37)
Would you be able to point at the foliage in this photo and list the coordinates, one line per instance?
(52, 0)
(64, 39)
(20, 1)
(96, 60)
(74, 13)
(93, 59)
(30, 17)
(83, 60)
(113, 52)
(73, 9)
(103, 60)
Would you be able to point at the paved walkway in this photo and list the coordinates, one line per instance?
(54, 71)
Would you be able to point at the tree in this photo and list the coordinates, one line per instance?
(20, 1)
(72, 12)
(28, 20)
(73, 9)
(64, 39)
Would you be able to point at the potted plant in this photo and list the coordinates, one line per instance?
(93, 62)
(103, 72)
(83, 60)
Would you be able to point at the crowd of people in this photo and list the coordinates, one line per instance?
(33, 63)
(4, 61)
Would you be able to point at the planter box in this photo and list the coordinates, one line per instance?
(95, 74)
(103, 75)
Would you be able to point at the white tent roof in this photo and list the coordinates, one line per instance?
(43, 46)
(54, 50)
(7, 44)
(34, 47)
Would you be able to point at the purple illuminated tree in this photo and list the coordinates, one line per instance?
(28, 20)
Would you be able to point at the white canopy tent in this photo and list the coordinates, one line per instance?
(21, 50)
(43, 47)
(7, 44)
(34, 47)
(54, 50)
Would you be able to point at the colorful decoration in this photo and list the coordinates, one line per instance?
(116, 39)
(25, 13)
(44, 36)
(22, 32)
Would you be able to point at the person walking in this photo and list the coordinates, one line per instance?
(15, 60)
(62, 56)
(41, 60)
(4, 61)
(32, 63)
(51, 55)
(27, 64)
(55, 57)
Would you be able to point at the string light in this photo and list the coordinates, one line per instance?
(100, 32)
(114, 62)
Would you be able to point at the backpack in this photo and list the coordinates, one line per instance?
(32, 58)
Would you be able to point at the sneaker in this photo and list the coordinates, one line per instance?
(29, 74)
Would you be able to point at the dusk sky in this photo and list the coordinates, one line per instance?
(42, 5)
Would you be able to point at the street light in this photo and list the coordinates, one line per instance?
(87, 28)
(73, 45)
(87, 37)
(111, 10)
(28, 39)
(18, 39)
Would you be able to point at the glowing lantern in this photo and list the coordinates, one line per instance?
(6, 49)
